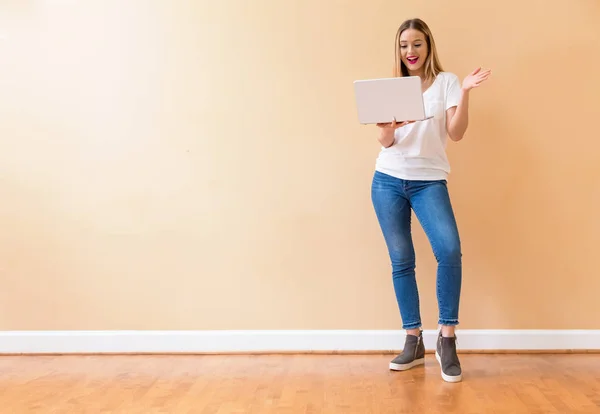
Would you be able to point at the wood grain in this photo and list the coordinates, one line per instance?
(266, 384)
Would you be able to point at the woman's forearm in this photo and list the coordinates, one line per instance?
(386, 137)
(460, 120)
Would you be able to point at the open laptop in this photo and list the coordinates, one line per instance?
(382, 100)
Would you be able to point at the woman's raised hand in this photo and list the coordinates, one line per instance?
(475, 79)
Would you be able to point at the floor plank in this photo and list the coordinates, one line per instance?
(309, 384)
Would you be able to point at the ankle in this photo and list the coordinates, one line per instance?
(414, 332)
(447, 331)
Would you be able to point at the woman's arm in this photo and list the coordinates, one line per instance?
(457, 117)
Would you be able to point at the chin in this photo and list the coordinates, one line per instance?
(414, 68)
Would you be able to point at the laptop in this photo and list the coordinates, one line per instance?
(382, 100)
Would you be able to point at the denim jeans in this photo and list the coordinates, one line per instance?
(393, 199)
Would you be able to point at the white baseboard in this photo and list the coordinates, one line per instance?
(65, 342)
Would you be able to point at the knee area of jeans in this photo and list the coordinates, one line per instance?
(401, 252)
(401, 266)
(449, 254)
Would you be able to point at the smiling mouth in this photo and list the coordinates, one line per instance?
(412, 60)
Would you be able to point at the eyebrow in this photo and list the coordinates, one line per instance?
(416, 40)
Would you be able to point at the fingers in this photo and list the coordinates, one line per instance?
(479, 82)
(483, 76)
(485, 73)
(394, 124)
(405, 123)
(481, 73)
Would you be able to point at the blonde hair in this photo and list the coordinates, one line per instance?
(432, 65)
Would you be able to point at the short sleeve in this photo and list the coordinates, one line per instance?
(452, 91)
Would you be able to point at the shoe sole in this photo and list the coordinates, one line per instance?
(404, 367)
(447, 378)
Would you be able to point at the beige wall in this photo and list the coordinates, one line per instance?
(198, 165)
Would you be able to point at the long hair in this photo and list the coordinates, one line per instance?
(432, 65)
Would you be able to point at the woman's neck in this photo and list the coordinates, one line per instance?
(425, 82)
(420, 73)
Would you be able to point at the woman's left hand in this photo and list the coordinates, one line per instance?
(475, 78)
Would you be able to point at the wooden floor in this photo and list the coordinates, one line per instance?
(296, 384)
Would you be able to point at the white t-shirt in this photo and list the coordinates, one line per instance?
(419, 149)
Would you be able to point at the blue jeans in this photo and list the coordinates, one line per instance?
(393, 199)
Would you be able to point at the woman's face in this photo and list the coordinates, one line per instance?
(413, 50)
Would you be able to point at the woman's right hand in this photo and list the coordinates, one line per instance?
(386, 137)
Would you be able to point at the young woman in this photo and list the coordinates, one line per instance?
(410, 174)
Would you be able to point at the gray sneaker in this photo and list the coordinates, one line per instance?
(412, 355)
(445, 353)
